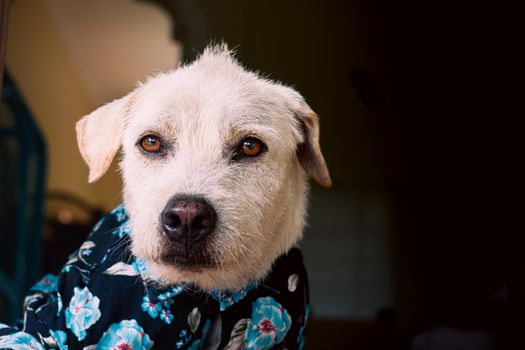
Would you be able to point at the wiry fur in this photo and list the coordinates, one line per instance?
(202, 110)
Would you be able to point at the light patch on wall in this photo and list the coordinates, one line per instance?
(113, 44)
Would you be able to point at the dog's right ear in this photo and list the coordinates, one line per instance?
(99, 135)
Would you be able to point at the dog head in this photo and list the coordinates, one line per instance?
(215, 161)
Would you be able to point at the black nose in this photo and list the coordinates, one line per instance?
(188, 219)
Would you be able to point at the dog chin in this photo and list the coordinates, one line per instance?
(166, 274)
(204, 277)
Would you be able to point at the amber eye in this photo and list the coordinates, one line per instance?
(251, 147)
(150, 143)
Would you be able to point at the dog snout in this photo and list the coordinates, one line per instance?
(188, 219)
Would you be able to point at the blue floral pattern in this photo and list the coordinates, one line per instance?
(83, 312)
(140, 266)
(119, 213)
(48, 284)
(268, 326)
(125, 335)
(123, 230)
(20, 341)
(227, 298)
(184, 338)
(60, 338)
(166, 316)
(163, 306)
(104, 298)
(149, 307)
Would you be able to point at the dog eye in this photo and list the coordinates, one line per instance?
(251, 147)
(150, 143)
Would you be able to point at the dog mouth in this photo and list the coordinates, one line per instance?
(186, 261)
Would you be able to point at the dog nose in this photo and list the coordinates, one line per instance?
(188, 219)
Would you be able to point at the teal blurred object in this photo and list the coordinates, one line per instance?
(22, 181)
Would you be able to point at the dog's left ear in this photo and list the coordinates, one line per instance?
(99, 135)
(309, 151)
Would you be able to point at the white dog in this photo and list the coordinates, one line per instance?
(232, 147)
(215, 162)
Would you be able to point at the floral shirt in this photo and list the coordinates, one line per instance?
(102, 300)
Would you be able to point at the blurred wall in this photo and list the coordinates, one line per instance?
(70, 57)
(39, 63)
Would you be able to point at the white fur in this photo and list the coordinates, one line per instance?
(204, 109)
